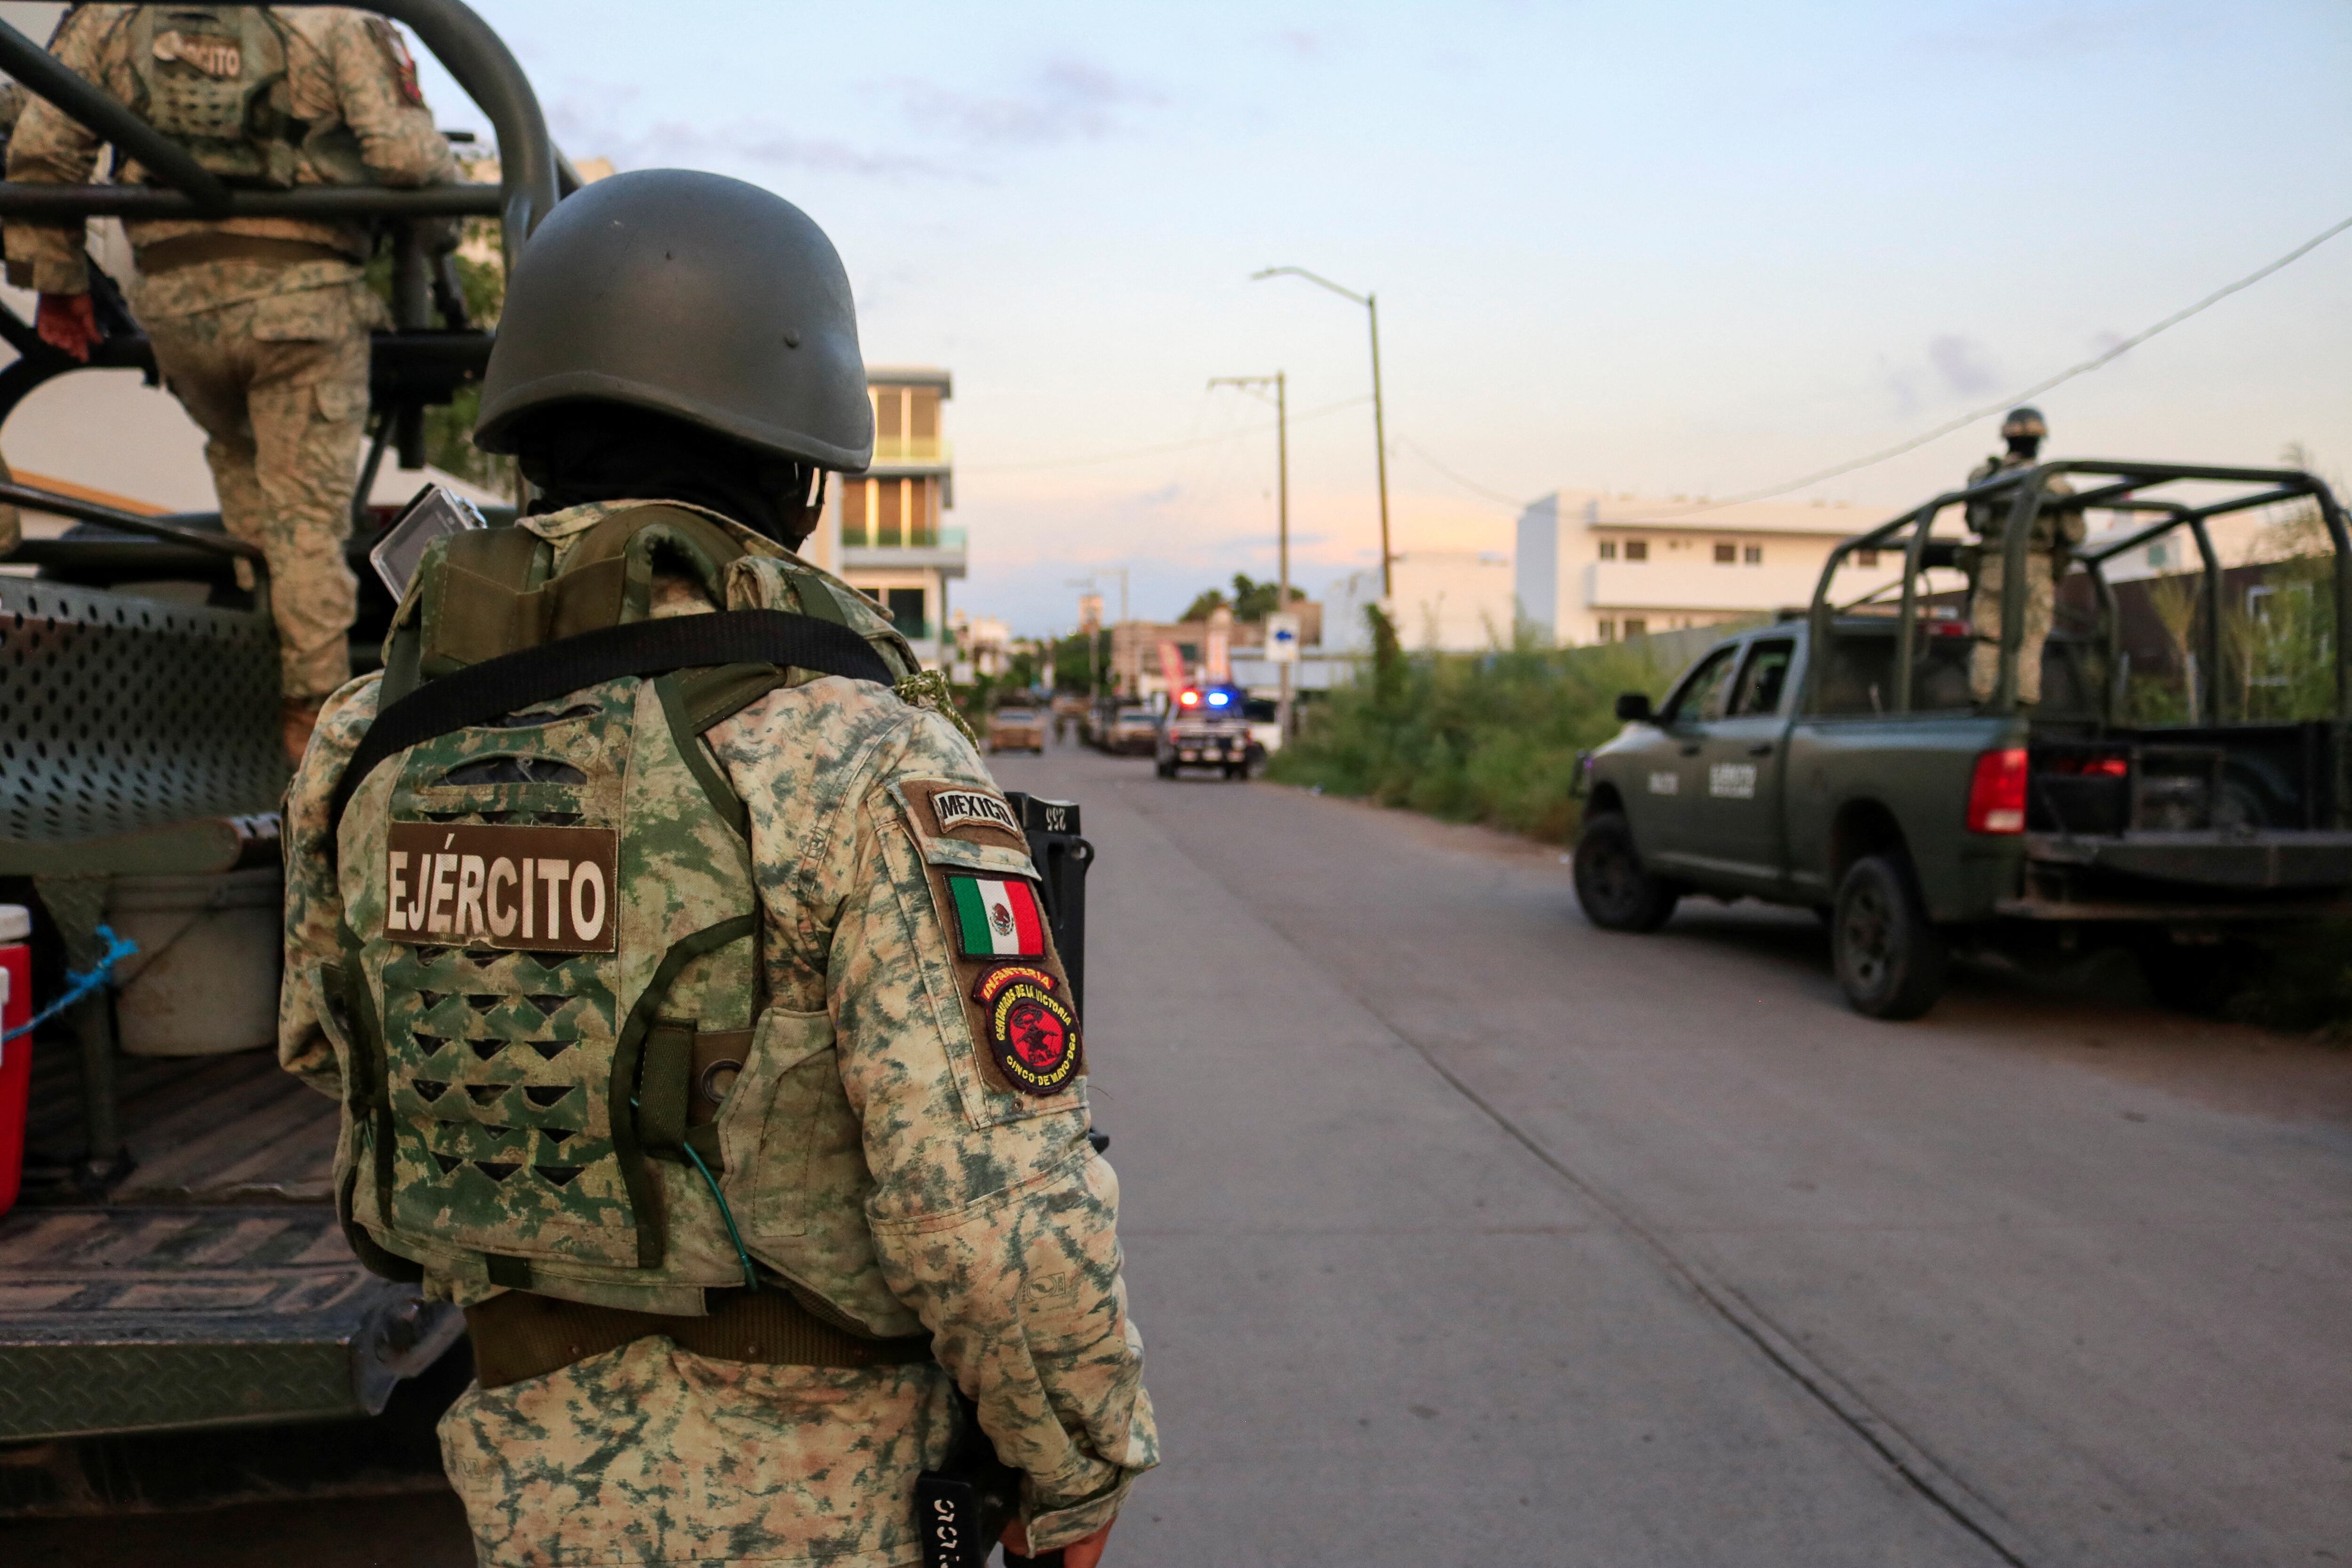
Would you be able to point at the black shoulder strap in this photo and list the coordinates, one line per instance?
(480, 692)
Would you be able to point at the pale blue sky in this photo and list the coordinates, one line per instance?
(1673, 248)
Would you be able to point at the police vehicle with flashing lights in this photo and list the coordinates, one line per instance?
(1207, 727)
(1838, 760)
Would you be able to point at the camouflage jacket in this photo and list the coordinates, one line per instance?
(909, 1191)
(2052, 529)
(346, 71)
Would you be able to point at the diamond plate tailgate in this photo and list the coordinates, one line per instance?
(128, 1318)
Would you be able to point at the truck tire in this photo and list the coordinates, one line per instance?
(1890, 959)
(1612, 887)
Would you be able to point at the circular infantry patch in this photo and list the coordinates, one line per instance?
(1031, 1035)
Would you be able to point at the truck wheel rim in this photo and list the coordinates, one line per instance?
(1615, 873)
(1867, 937)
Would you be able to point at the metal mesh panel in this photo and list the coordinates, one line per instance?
(119, 713)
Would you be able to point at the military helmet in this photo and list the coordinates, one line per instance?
(693, 295)
(2021, 422)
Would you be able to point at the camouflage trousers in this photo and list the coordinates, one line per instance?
(2042, 568)
(648, 1455)
(280, 385)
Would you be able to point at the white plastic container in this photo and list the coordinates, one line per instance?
(204, 979)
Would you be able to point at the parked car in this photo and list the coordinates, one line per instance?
(1016, 730)
(1839, 761)
(1131, 732)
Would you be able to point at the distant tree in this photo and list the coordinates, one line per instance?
(1251, 601)
(1075, 664)
(1205, 603)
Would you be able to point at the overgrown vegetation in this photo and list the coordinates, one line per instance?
(1471, 737)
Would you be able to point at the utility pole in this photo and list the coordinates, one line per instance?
(1089, 581)
(1281, 382)
(1379, 423)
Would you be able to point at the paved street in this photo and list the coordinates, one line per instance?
(1461, 1233)
(1464, 1233)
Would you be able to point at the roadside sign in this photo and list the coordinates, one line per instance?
(1282, 638)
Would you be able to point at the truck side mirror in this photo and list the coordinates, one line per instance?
(1634, 707)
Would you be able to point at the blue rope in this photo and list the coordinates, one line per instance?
(80, 983)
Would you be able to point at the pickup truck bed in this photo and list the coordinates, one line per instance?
(213, 1286)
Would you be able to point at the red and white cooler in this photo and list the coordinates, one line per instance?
(16, 1055)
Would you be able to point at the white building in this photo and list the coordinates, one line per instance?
(882, 531)
(1594, 568)
(1452, 601)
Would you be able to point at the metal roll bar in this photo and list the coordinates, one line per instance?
(2026, 490)
(529, 170)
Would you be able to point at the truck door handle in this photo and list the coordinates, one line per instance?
(1761, 749)
(1691, 749)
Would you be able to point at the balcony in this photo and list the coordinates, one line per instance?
(938, 549)
(1702, 585)
(899, 455)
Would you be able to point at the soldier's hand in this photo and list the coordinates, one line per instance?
(1083, 1553)
(67, 323)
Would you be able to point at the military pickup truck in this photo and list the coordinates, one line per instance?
(1836, 760)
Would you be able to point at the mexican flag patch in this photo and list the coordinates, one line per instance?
(997, 919)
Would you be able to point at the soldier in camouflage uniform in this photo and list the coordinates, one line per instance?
(754, 1142)
(2056, 533)
(259, 325)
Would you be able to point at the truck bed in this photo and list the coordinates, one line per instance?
(212, 1286)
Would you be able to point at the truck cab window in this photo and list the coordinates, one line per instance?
(1761, 684)
(1706, 693)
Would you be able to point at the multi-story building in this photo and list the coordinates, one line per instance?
(881, 530)
(1593, 568)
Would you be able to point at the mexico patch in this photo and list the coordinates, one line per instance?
(1031, 1035)
(996, 918)
(449, 884)
(953, 808)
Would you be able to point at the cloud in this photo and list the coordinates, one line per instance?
(1062, 101)
(1960, 364)
(587, 123)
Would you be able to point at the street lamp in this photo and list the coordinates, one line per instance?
(1281, 384)
(1379, 428)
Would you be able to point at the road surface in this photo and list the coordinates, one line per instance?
(1461, 1233)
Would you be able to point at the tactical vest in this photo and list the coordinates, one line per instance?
(213, 78)
(550, 953)
(2052, 530)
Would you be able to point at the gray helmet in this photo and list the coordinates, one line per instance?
(2024, 421)
(694, 295)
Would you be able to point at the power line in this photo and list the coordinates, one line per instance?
(1468, 484)
(1234, 435)
(2003, 405)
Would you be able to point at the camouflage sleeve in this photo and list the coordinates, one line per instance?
(375, 86)
(52, 148)
(992, 1217)
(307, 1019)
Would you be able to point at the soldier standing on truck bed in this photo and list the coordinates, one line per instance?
(700, 1034)
(2056, 533)
(259, 325)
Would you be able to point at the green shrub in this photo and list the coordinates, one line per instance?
(1471, 737)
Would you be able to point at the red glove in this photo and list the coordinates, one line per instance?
(69, 323)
